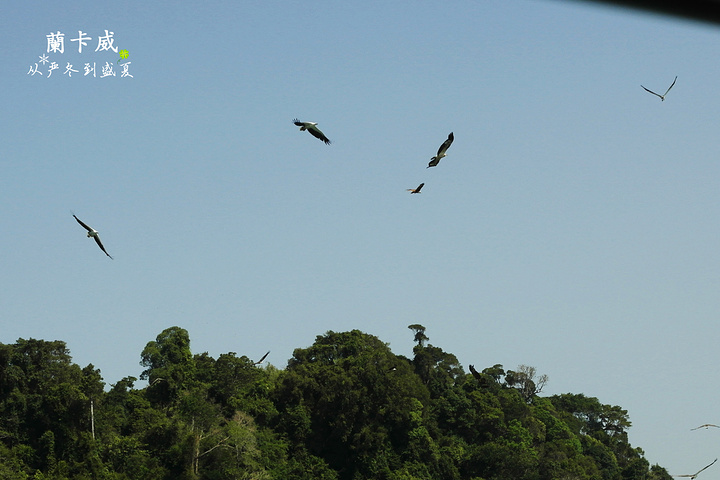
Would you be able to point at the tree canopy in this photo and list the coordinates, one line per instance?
(344, 408)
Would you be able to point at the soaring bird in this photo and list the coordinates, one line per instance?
(93, 233)
(416, 190)
(262, 359)
(694, 475)
(311, 127)
(662, 97)
(441, 151)
(707, 425)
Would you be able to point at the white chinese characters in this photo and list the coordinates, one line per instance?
(56, 46)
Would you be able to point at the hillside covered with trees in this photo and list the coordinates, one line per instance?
(345, 408)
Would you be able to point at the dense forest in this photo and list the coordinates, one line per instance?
(345, 408)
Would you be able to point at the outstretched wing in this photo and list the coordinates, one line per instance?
(706, 467)
(263, 358)
(81, 223)
(433, 162)
(97, 240)
(446, 144)
(673, 84)
(417, 190)
(706, 425)
(657, 94)
(315, 132)
(298, 123)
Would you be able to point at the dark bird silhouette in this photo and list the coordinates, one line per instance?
(312, 129)
(416, 190)
(662, 97)
(694, 475)
(707, 425)
(94, 234)
(441, 151)
(262, 359)
(474, 372)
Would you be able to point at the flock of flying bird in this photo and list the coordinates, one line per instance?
(312, 129)
(691, 476)
(707, 425)
(435, 160)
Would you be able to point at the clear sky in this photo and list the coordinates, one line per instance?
(573, 225)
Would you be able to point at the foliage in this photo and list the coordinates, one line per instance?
(345, 408)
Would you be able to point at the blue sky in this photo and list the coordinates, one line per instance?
(572, 226)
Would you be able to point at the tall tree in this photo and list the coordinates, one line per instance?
(168, 363)
(420, 336)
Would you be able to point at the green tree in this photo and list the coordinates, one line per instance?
(420, 336)
(346, 408)
(437, 369)
(349, 400)
(526, 381)
(169, 365)
(44, 404)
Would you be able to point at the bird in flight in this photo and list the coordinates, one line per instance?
(707, 425)
(94, 234)
(262, 359)
(694, 475)
(311, 127)
(416, 190)
(441, 151)
(662, 97)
